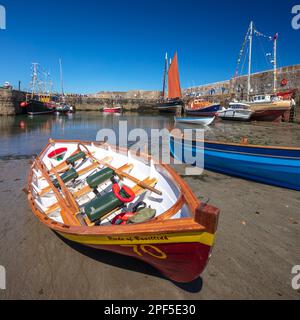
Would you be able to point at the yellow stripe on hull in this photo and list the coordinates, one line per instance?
(203, 238)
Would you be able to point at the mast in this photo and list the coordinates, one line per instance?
(250, 58)
(165, 75)
(275, 62)
(61, 79)
(34, 78)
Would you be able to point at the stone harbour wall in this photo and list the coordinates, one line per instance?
(10, 101)
(261, 83)
(96, 104)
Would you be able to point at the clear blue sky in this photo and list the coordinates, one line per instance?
(120, 44)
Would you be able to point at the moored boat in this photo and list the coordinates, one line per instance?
(199, 121)
(269, 108)
(108, 199)
(112, 109)
(199, 107)
(38, 103)
(236, 111)
(266, 107)
(173, 102)
(64, 108)
(278, 166)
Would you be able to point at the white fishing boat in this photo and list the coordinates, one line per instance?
(236, 111)
(199, 121)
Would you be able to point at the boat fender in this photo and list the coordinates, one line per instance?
(68, 176)
(80, 155)
(100, 177)
(24, 104)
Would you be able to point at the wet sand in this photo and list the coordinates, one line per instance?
(257, 246)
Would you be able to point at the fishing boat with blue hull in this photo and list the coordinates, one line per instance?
(278, 166)
(202, 108)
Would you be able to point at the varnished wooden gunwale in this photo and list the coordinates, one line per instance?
(152, 227)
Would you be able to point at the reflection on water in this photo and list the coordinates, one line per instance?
(24, 135)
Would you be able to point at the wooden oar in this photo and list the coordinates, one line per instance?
(68, 195)
(123, 174)
(80, 173)
(88, 189)
(66, 214)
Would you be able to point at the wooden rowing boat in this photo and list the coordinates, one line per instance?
(109, 199)
(278, 166)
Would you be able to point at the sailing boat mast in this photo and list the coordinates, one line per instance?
(250, 59)
(61, 80)
(34, 78)
(165, 76)
(275, 62)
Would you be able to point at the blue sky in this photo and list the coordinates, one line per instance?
(120, 44)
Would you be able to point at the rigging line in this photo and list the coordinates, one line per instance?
(241, 52)
(264, 52)
(245, 59)
(261, 34)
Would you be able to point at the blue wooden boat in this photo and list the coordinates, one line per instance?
(278, 166)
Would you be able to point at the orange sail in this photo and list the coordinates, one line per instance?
(173, 80)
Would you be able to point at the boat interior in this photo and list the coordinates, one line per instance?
(102, 186)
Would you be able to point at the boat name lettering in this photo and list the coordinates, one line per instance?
(138, 238)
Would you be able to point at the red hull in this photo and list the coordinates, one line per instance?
(112, 110)
(268, 115)
(181, 263)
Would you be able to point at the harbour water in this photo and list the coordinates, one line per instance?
(25, 136)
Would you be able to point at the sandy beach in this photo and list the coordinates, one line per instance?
(257, 246)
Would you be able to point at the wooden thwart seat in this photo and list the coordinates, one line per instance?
(85, 190)
(79, 173)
